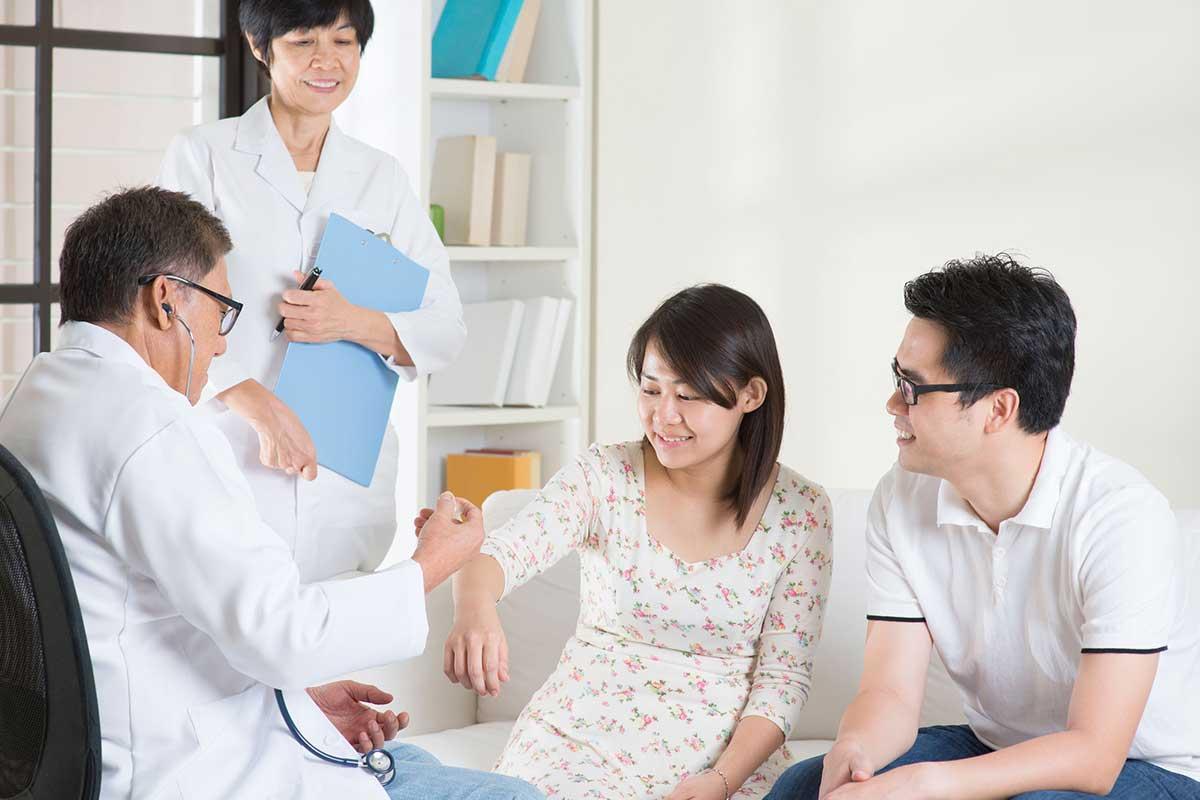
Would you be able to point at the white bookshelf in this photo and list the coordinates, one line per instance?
(549, 116)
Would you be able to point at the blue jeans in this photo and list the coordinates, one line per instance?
(420, 776)
(1139, 780)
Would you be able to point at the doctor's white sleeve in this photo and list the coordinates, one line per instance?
(183, 516)
(434, 334)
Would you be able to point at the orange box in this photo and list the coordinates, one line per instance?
(476, 474)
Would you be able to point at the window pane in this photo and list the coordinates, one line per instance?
(55, 318)
(114, 114)
(16, 344)
(16, 164)
(175, 17)
(17, 12)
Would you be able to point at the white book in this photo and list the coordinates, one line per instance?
(533, 351)
(511, 190)
(464, 174)
(480, 375)
(542, 334)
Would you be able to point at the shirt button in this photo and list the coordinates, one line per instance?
(998, 553)
(1001, 582)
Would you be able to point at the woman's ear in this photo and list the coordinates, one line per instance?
(258, 56)
(752, 395)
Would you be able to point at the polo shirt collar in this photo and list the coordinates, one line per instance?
(1038, 511)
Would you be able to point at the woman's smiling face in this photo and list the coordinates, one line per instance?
(313, 70)
(684, 428)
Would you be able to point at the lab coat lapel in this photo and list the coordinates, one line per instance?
(257, 134)
(341, 161)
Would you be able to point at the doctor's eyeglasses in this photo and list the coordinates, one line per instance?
(911, 392)
(232, 307)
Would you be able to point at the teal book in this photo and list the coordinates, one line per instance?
(342, 391)
(471, 37)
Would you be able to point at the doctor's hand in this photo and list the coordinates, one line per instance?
(283, 442)
(364, 727)
(447, 537)
(319, 315)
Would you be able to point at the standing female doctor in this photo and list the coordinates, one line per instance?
(273, 176)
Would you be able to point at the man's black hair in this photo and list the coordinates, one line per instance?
(1005, 324)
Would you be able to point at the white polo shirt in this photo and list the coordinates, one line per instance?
(1094, 562)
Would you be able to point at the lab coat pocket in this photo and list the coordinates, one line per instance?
(240, 751)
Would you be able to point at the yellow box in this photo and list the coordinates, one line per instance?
(476, 474)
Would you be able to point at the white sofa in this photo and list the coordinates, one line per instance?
(464, 730)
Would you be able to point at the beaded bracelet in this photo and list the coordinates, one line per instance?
(724, 780)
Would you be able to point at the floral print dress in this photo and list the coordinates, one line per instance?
(668, 655)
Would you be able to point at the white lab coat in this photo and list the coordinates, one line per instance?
(240, 169)
(193, 606)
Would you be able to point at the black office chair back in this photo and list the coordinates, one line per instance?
(49, 721)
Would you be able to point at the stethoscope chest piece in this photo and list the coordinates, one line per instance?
(381, 764)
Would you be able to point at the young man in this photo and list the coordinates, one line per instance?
(1050, 577)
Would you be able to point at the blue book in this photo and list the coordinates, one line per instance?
(342, 391)
(471, 37)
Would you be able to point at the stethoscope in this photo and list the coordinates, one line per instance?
(377, 762)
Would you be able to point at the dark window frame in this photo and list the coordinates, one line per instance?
(240, 87)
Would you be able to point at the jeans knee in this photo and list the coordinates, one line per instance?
(799, 782)
(507, 788)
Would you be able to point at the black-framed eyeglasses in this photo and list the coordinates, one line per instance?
(232, 307)
(911, 392)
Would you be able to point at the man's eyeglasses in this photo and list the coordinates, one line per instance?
(232, 307)
(911, 392)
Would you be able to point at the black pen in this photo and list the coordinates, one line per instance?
(309, 281)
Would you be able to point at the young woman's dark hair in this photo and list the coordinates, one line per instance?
(1006, 325)
(716, 339)
(264, 21)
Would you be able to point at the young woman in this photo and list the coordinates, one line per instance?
(705, 568)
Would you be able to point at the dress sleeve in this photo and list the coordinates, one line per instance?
(434, 334)
(792, 628)
(554, 523)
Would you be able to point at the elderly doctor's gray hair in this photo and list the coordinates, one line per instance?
(129, 234)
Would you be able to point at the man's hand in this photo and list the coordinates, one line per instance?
(912, 782)
(321, 314)
(283, 442)
(845, 763)
(448, 537)
(706, 785)
(364, 727)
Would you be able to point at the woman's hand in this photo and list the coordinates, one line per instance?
(706, 785)
(476, 652)
(283, 442)
(319, 315)
(364, 727)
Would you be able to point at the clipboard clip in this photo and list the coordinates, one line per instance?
(385, 236)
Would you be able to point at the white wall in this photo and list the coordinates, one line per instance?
(817, 155)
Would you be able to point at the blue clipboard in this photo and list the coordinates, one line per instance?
(342, 391)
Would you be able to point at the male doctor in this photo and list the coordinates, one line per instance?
(193, 606)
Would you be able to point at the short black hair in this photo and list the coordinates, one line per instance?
(717, 339)
(129, 234)
(1006, 325)
(264, 21)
